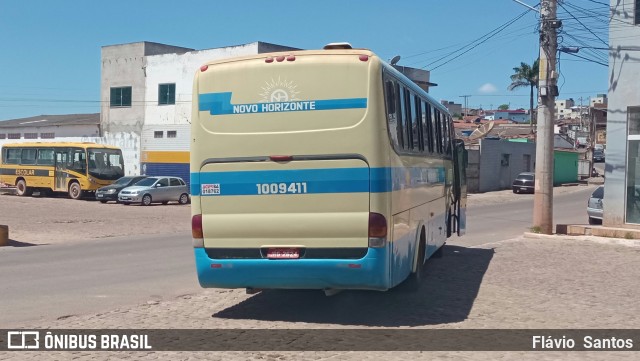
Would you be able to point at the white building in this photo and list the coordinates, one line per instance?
(622, 167)
(146, 101)
(563, 108)
(48, 128)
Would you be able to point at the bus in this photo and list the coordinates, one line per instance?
(69, 167)
(320, 169)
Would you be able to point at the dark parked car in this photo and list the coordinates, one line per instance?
(524, 183)
(110, 192)
(598, 155)
(595, 206)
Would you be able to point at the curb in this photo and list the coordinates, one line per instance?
(594, 239)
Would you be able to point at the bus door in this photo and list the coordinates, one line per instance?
(62, 159)
(460, 187)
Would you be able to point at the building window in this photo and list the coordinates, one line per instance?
(14, 135)
(158, 134)
(171, 133)
(166, 94)
(47, 135)
(121, 97)
(30, 135)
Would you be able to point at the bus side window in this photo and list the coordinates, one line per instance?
(390, 96)
(400, 116)
(420, 122)
(392, 119)
(438, 132)
(13, 156)
(415, 128)
(45, 157)
(426, 123)
(408, 120)
(28, 156)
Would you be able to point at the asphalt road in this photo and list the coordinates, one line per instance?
(495, 222)
(52, 281)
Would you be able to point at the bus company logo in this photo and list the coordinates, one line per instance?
(23, 340)
(278, 91)
(210, 189)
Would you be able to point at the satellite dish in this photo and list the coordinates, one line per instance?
(482, 131)
(395, 60)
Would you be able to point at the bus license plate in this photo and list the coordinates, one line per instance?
(283, 253)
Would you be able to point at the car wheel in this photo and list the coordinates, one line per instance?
(184, 198)
(146, 200)
(75, 192)
(22, 190)
(592, 220)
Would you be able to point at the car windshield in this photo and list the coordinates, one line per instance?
(525, 177)
(147, 182)
(598, 193)
(106, 164)
(123, 181)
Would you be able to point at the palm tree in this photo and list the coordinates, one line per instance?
(526, 75)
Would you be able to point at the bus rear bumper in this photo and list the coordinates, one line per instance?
(369, 273)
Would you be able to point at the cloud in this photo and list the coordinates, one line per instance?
(487, 88)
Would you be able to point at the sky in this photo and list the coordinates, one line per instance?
(50, 50)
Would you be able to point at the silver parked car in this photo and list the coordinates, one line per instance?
(595, 206)
(155, 190)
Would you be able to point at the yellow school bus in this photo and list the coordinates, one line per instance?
(319, 169)
(60, 166)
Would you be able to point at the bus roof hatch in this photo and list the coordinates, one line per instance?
(343, 45)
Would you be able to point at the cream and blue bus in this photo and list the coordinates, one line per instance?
(322, 169)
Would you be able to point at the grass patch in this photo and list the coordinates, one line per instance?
(628, 235)
(536, 229)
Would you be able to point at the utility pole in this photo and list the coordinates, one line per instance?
(547, 91)
(466, 109)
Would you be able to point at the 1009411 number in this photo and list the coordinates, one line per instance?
(282, 188)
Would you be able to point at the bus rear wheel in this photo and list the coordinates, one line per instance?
(75, 192)
(22, 190)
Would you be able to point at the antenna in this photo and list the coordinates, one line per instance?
(482, 131)
(395, 60)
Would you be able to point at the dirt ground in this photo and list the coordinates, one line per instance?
(52, 220)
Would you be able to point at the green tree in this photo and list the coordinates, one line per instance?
(526, 76)
(503, 107)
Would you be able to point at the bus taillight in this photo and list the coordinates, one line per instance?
(196, 231)
(377, 230)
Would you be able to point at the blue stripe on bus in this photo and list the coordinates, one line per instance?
(220, 104)
(336, 180)
(372, 273)
(326, 180)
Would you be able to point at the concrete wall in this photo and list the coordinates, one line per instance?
(624, 83)
(473, 170)
(126, 65)
(502, 161)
